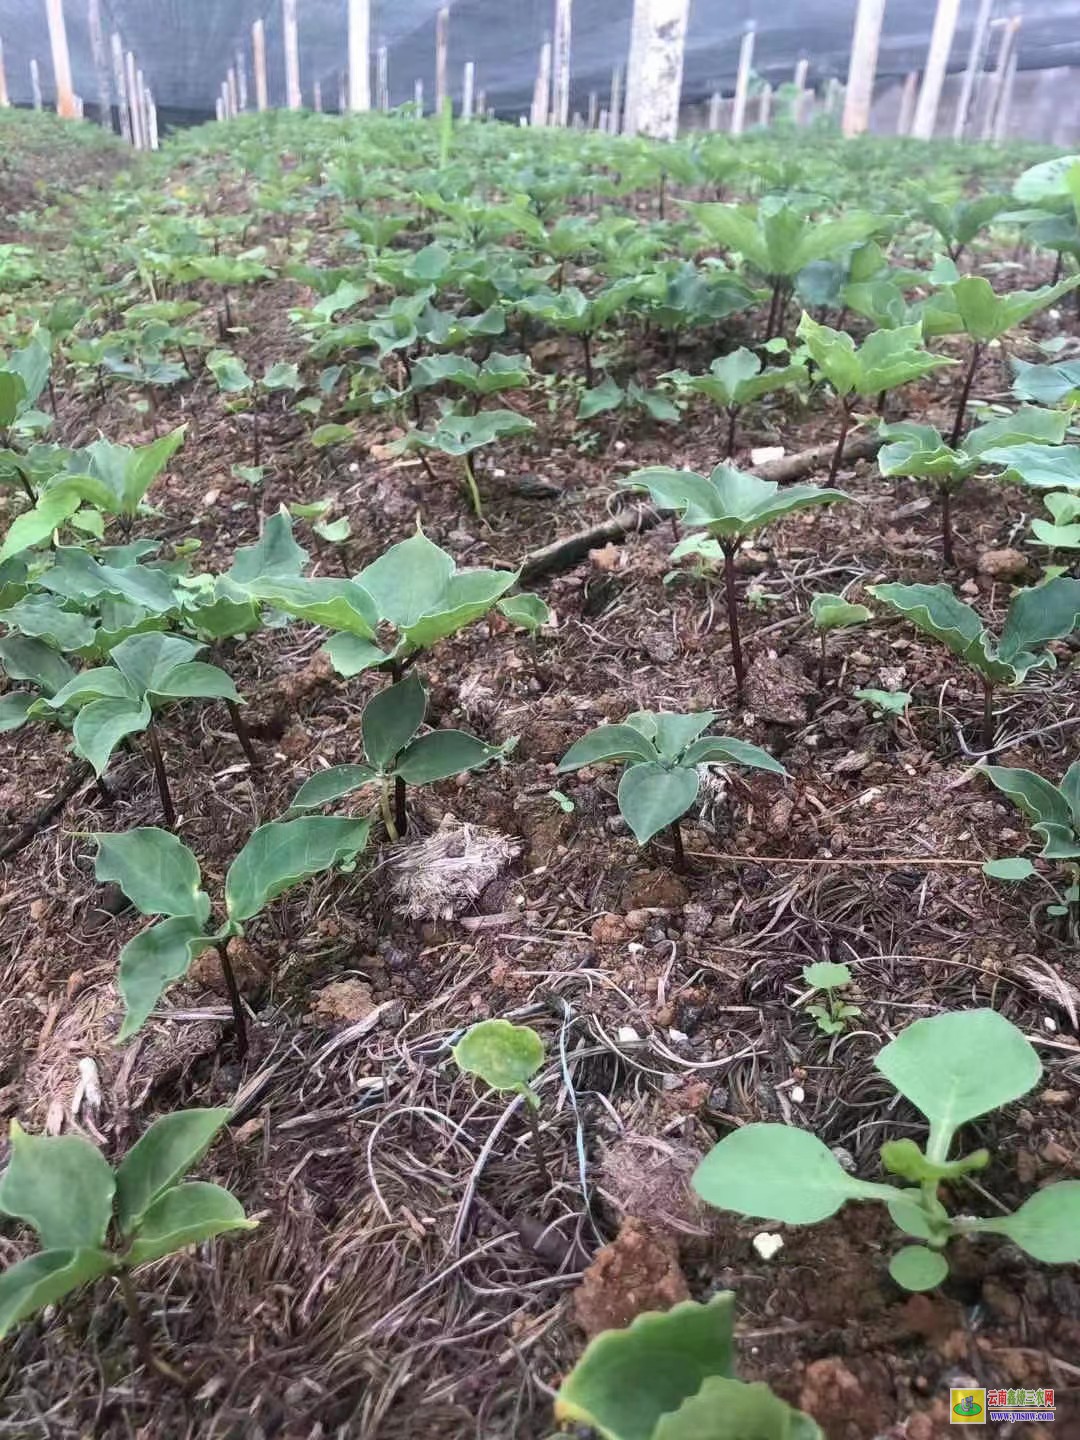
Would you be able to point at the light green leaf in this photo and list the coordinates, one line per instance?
(45, 1278)
(893, 702)
(1046, 1226)
(283, 853)
(734, 1410)
(100, 726)
(350, 654)
(651, 797)
(1040, 467)
(1014, 867)
(917, 1268)
(827, 975)
(62, 1185)
(602, 398)
(503, 1055)
(527, 611)
(619, 1389)
(726, 750)
(15, 710)
(334, 532)
(146, 661)
(608, 742)
(155, 870)
(171, 1147)
(186, 1215)
(228, 370)
(391, 718)
(24, 658)
(333, 784)
(275, 555)
(671, 734)
(152, 961)
(340, 605)
(36, 525)
(937, 611)
(469, 596)
(101, 683)
(1037, 616)
(196, 680)
(1040, 800)
(833, 612)
(442, 753)
(408, 581)
(326, 435)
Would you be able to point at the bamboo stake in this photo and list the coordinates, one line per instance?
(5, 98)
(468, 90)
(974, 65)
(997, 80)
(359, 54)
(614, 124)
(151, 120)
(657, 84)
(144, 120)
(219, 108)
(382, 78)
(639, 24)
(342, 93)
(241, 80)
(937, 62)
(862, 67)
(258, 54)
(765, 106)
(1001, 120)
(742, 82)
(442, 48)
(560, 57)
(234, 93)
(593, 110)
(291, 34)
(120, 81)
(418, 97)
(61, 59)
(713, 121)
(907, 103)
(802, 69)
(318, 97)
(35, 84)
(542, 87)
(134, 109)
(101, 63)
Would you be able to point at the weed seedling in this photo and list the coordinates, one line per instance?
(832, 1013)
(506, 1057)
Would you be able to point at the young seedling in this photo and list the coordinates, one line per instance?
(833, 612)
(506, 1057)
(670, 1375)
(232, 379)
(1063, 533)
(662, 754)
(1055, 813)
(461, 435)
(833, 1013)
(397, 756)
(888, 705)
(734, 380)
(728, 505)
(160, 876)
(1035, 617)
(93, 1220)
(885, 359)
(953, 1068)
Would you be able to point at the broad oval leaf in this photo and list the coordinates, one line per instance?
(33, 526)
(350, 654)
(62, 1185)
(726, 1409)
(957, 1066)
(607, 743)
(917, 1268)
(527, 611)
(1046, 1226)
(152, 961)
(776, 1172)
(669, 732)
(185, 1215)
(833, 612)
(727, 750)
(155, 870)
(160, 1157)
(408, 581)
(102, 724)
(333, 784)
(1012, 867)
(651, 796)
(283, 853)
(15, 710)
(197, 681)
(275, 555)
(619, 1388)
(503, 1055)
(391, 718)
(1040, 800)
(30, 1285)
(24, 658)
(827, 974)
(442, 753)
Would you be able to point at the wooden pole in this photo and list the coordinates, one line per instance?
(35, 84)
(291, 34)
(61, 59)
(120, 81)
(481, 104)
(151, 119)
(657, 83)
(342, 93)
(541, 102)
(1004, 94)
(639, 25)
(862, 67)
(765, 106)
(5, 98)
(908, 97)
(359, 54)
(742, 82)
(418, 96)
(382, 78)
(603, 123)
(468, 90)
(593, 111)
(219, 108)
(442, 50)
(974, 65)
(802, 69)
(937, 62)
(714, 111)
(134, 108)
(241, 79)
(144, 119)
(997, 79)
(258, 62)
(615, 102)
(560, 57)
(234, 93)
(318, 97)
(101, 63)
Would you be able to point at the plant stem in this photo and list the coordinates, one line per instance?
(680, 853)
(838, 453)
(730, 547)
(733, 417)
(946, 526)
(771, 321)
(140, 1336)
(586, 346)
(821, 662)
(255, 437)
(538, 1145)
(386, 813)
(239, 1018)
(958, 423)
(242, 734)
(162, 778)
(474, 489)
(988, 727)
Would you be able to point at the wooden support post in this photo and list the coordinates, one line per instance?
(342, 92)
(219, 108)
(560, 61)
(802, 69)
(35, 84)
(5, 98)
(134, 108)
(996, 84)
(418, 97)
(234, 93)
(654, 86)
(151, 120)
(359, 54)
(974, 66)
(291, 36)
(1004, 91)
(100, 56)
(614, 124)
(937, 62)
(120, 81)
(742, 82)
(241, 80)
(908, 96)
(593, 110)
(258, 64)
(541, 101)
(468, 90)
(713, 121)
(764, 115)
(318, 97)
(61, 60)
(481, 104)
(442, 51)
(144, 119)
(639, 25)
(862, 67)
(382, 78)
(603, 124)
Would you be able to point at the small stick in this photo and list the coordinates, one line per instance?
(243, 734)
(239, 1018)
(162, 778)
(538, 1144)
(676, 840)
(140, 1336)
(78, 773)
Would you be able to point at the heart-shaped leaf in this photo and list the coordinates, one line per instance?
(155, 870)
(503, 1055)
(283, 853)
(390, 720)
(159, 1158)
(62, 1185)
(152, 961)
(652, 796)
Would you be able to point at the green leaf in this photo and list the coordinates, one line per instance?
(1037, 616)
(62, 1185)
(410, 580)
(985, 316)
(333, 784)
(196, 680)
(1046, 1226)
(152, 961)
(33, 526)
(527, 611)
(276, 554)
(171, 1147)
(726, 750)
(146, 661)
(334, 532)
(186, 1215)
(100, 726)
(894, 702)
(937, 611)
(24, 658)
(30, 1285)
(886, 358)
(602, 398)
(503, 1055)
(729, 502)
(1040, 801)
(1040, 467)
(228, 370)
(283, 853)
(391, 718)
(350, 654)
(608, 742)
(326, 435)
(904, 1158)
(957, 1066)
(776, 1172)
(917, 1268)
(671, 734)
(651, 797)
(827, 975)
(1015, 867)
(628, 1380)
(469, 596)
(15, 710)
(12, 395)
(155, 870)
(833, 612)
(340, 605)
(726, 1409)
(442, 753)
